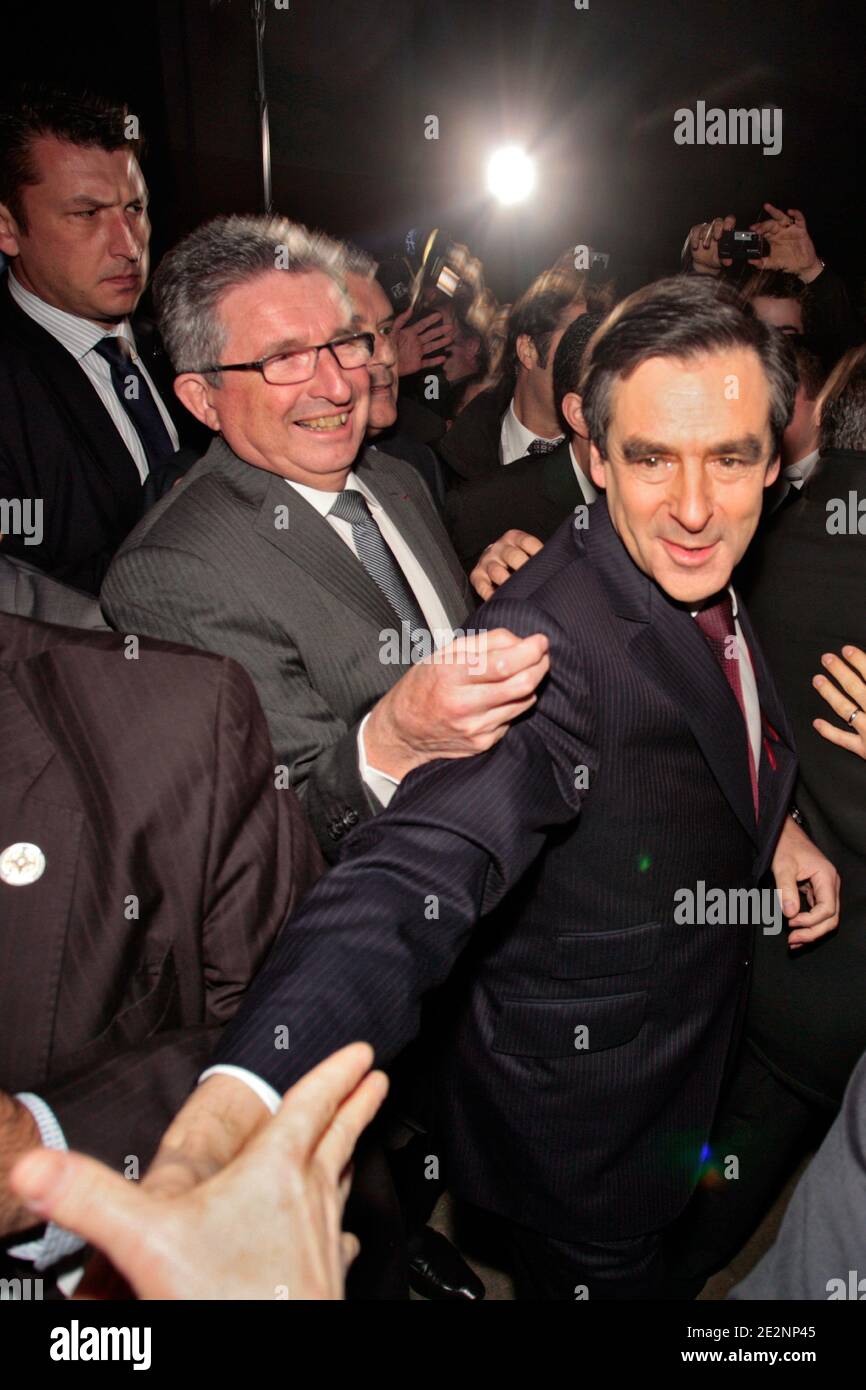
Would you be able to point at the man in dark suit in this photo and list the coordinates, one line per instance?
(321, 566)
(536, 493)
(86, 434)
(147, 863)
(517, 416)
(806, 1025)
(588, 1017)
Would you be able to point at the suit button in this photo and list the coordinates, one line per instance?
(21, 864)
(350, 818)
(335, 830)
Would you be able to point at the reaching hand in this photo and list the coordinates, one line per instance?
(267, 1225)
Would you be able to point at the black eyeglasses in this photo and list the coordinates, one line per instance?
(291, 368)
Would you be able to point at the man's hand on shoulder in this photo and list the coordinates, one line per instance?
(458, 703)
(501, 559)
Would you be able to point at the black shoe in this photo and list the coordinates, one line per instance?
(437, 1270)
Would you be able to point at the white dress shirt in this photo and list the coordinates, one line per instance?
(80, 337)
(799, 473)
(515, 438)
(381, 784)
(749, 687)
(590, 493)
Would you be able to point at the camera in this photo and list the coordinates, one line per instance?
(742, 247)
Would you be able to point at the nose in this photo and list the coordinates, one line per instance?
(386, 350)
(691, 498)
(125, 240)
(332, 380)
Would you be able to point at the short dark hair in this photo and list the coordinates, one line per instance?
(843, 404)
(82, 118)
(682, 317)
(537, 313)
(568, 359)
(811, 372)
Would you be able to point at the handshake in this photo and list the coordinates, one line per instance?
(783, 237)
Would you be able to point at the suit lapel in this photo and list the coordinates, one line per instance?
(39, 808)
(66, 384)
(311, 543)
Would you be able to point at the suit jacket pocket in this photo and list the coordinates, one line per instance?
(591, 955)
(568, 1027)
(129, 1028)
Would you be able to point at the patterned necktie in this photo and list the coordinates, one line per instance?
(377, 558)
(719, 630)
(136, 397)
(544, 446)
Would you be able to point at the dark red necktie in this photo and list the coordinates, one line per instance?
(717, 625)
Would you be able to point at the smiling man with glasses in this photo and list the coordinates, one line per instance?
(296, 550)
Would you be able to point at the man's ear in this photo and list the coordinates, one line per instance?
(527, 352)
(193, 391)
(571, 409)
(8, 232)
(596, 466)
(773, 471)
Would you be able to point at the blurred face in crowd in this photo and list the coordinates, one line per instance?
(373, 314)
(686, 467)
(786, 314)
(462, 356)
(84, 246)
(537, 378)
(308, 432)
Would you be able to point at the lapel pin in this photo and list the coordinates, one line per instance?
(21, 864)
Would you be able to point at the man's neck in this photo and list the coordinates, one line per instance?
(534, 415)
(19, 275)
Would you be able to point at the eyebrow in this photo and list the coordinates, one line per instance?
(88, 200)
(748, 446)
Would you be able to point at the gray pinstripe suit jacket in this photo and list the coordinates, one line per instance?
(215, 565)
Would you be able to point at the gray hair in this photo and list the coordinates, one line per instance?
(204, 266)
(357, 262)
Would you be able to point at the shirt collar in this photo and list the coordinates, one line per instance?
(584, 483)
(79, 336)
(324, 501)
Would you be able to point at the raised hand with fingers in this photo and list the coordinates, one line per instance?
(265, 1226)
(791, 247)
(849, 702)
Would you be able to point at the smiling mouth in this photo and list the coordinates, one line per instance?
(689, 554)
(324, 422)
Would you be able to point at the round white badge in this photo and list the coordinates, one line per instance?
(21, 864)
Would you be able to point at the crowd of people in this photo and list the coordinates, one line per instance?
(380, 666)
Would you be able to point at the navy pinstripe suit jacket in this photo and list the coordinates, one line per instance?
(583, 1034)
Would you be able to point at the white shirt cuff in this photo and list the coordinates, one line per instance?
(266, 1093)
(56, 1243)
(381, 784)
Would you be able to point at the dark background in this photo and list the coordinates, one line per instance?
(591, 93)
